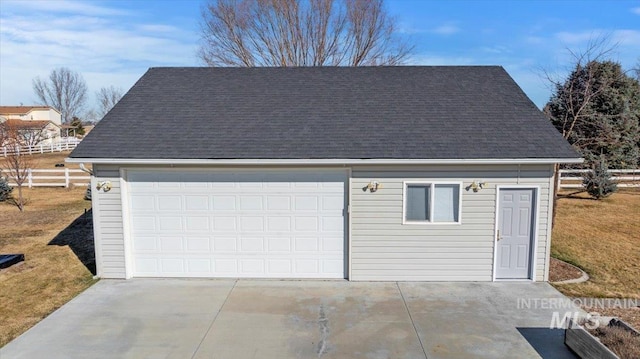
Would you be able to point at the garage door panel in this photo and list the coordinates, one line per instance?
(278, 224)
(251, 224)
(198, 244)
(199, 265)
(332, 244)
(144, 224)
(306, 224)
(245, 224)
(279, 244)
(306, 244)
(251, 203)
(143, 203)
(171, 244)
(224, 224)
(251, 244)
(197, 224)
(169, 223)
(278, 203)
(197, 203)
(169, 203)
(143, 243)
(249, 267)
(224, 203)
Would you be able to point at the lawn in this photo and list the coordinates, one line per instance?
(48, 160)
(602, 238)
(55, 235)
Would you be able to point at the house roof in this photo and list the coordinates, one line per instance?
(435, 112)
(27, 125)
(22, 110)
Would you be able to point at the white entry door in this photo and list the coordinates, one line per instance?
(237, 224)
(516, 219)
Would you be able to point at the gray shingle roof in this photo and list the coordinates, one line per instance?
(435, 112)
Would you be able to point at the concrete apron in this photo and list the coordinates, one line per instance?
(190, 318)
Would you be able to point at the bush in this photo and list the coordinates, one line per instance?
(5, 189)
(598, 181)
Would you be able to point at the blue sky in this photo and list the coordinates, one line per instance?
(114, 42)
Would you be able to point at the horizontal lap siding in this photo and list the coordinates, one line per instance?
(382, 248)
(109, 232)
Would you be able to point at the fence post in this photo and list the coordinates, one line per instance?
(559, 179)
(30, 150)
(66, 177)
(41, 148)
(30, 178)
(51, 146)
(4, 150)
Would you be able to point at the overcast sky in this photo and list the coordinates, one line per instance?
(115, 42)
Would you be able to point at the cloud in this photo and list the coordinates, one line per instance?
(496, 49)
(571, 38)
(92, 40)
(446, 29)
(636, 10)
(63, 6)
(622, 37)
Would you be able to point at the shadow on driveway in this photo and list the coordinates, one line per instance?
(549, 343)
(79, 237)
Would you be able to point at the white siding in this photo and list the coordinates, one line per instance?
(382, 248)
(109, 233)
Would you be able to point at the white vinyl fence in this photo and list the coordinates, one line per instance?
(63, 177)
(65, 144)
(624, 178)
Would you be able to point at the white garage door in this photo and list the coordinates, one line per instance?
(240, 224)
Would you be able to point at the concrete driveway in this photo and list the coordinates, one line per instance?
(188, 318)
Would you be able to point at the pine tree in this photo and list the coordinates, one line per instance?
(598, 181)
(5, 189)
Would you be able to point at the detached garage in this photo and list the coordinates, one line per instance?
(374, 173)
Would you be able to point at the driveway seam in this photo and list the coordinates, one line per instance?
(412, 322)
(214, 319)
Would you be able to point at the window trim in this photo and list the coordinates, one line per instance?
(431, 185)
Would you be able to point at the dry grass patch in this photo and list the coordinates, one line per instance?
(50, 159)
(601, 237)
(622, 342)
(51, 275)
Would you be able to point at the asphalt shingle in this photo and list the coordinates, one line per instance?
(434, 112)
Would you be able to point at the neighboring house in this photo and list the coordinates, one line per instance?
(29, 133)
(366, 173)
(31, 118)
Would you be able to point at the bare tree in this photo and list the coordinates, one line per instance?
(107, 98)
(65, 90)
(24, 133)
(299, 33)
(16, 164)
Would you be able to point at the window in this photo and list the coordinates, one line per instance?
(431, 202)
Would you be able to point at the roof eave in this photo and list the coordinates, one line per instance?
(337, 161)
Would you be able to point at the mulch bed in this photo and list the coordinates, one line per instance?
(559, 271)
